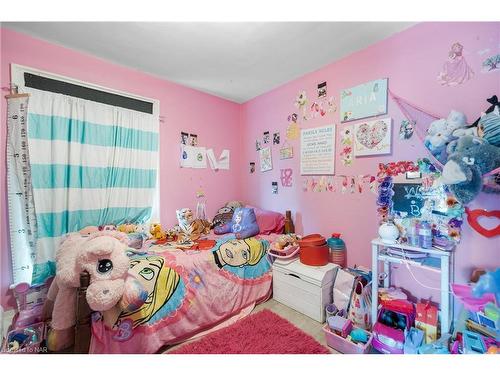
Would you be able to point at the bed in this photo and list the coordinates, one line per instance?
(203, 294)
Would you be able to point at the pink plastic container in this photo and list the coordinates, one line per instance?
(343, 345)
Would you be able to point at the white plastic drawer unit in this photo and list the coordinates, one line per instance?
(307, 289)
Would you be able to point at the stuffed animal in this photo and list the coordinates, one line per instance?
(190, 229)
(88, 230)
(102, 255)
(243, 224)
(472, 157)
(285, 240)
(488, 127)
(438, 136)
(126, 228)
(441, 132)
(493, 104)
(158, 233)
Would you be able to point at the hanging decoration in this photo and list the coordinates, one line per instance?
(286, 177)
(293, 129)
(473, 220)
(455, 71)
(266, 162)
(491, 64)
(301, 103)
(346, 142)
(406, 129)
(421, 120)
(286, 152)
(349, 183)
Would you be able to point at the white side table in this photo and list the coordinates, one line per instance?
(446, 259)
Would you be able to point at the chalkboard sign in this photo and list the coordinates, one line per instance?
(408, 199)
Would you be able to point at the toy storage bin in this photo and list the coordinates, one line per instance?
(306, 289)
(345, 346)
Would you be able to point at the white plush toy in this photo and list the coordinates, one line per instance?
(441, 133)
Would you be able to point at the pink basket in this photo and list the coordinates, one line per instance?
(345, 346)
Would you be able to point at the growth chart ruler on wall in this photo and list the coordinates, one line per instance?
(22, 219)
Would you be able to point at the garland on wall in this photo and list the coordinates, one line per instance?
(340, 184)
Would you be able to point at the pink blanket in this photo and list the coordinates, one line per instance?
(189, 292)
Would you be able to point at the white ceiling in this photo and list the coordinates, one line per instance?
(236, 61)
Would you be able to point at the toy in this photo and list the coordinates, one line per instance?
(394, 318)
(441, 133)
(158, 233)
(488, 127)
(359, 335)
(341, 326)
(413, 340)
(126, 228)
(243, 224)
(190, 229)
(436, 347)
(494, 104)
(488, 283)
(25, 340)
(427, 320)
(88, 230)
(471, 159)
(102, 255)
(473, 343)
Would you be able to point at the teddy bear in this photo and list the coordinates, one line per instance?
(472, 157)
(103, 256)
(441, 133)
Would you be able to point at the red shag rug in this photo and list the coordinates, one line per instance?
(261, 333)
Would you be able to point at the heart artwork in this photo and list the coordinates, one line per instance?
(473, 220)
(370, 135)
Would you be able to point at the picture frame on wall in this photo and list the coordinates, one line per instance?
(317, 151)
(373, 137)
(366, 100)
(266, 161)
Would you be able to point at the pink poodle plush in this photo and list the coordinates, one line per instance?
(103, 256)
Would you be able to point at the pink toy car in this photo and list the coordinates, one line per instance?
(394, 319)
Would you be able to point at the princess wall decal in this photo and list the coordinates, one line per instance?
(456, 70)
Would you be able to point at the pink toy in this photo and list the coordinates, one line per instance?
(464, 294)
(30, 300)
(102, 255)
(339, 325)
(394, 318)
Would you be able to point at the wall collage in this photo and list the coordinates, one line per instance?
(318, 145)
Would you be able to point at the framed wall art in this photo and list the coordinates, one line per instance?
(366, 100)
(373, 137)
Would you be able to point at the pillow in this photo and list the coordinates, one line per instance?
(243, 224)
(223, 216)
(269, 221)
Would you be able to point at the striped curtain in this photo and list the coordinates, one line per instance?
(91, 164)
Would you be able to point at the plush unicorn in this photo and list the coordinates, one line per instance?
(103, 256)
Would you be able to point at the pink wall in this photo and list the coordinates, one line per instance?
(216, 121)
(411, 60)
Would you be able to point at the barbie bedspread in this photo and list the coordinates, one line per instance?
(189, 292)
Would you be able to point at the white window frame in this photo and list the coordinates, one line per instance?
(17, 78)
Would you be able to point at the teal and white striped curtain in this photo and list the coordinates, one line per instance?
(91, 164)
